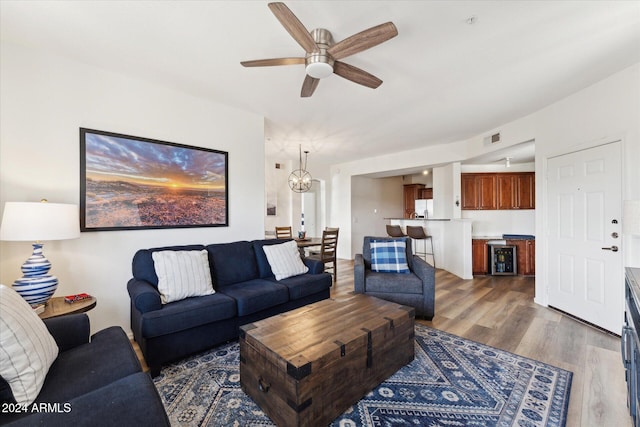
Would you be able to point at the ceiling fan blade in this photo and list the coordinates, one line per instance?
(293, 25)
(356, 75)
(309, 86)
(272, 62)
(363, 40)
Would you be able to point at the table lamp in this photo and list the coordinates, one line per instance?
(33, 221)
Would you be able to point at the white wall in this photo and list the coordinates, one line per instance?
(340, 174)
(313, 210)
(373, 200)
(419, 178)
(289, 203)
(495, 223)
(44, 99)
(276, 184)
(601, 113)
(605, 111)
(446, 190)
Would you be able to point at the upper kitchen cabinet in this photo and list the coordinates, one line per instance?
(412, 192)
(526, 190)
(478, 190)
(514, 190)
(426, 193)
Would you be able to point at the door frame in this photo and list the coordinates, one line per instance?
(318, 189)
(542, 223)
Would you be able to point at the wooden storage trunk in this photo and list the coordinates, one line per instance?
(307, 366)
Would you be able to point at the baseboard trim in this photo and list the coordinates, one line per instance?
(584, 322)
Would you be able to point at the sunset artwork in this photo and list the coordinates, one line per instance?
(130, 182)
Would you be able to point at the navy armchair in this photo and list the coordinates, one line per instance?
(415, 289)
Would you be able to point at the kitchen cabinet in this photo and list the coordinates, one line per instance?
(525, 256)
(516, 190)
(530, 258)
(479, 256)
(506, 191)
(526, 190)
(411, 193)
(478, 191)
(469, 191)
(426, 193)
(486, 191)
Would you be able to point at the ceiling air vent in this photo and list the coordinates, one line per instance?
(491, 139)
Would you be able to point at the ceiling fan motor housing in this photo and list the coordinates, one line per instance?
(320, 64)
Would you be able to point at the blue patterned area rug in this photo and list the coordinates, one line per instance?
(452, 382)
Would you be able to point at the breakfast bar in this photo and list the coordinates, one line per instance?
(451, 242)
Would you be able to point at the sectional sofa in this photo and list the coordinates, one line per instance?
(245, 291)
(95, 380)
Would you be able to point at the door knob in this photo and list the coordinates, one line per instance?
(612, 248)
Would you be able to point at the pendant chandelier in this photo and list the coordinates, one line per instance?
(300, 179)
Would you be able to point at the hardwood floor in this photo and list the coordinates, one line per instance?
(500, 312)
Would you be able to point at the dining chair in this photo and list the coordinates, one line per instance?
(328, 251)
(284, 233)
(317, 251)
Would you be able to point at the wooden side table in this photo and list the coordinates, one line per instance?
(56, 307)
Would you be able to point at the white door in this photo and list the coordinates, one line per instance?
(585, 270)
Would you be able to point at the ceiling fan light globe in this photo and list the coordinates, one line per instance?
(319, 70)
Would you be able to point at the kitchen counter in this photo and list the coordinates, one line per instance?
(451, 240)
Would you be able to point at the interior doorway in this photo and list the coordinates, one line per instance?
(312, 208)
(584, 191)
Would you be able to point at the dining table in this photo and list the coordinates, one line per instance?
(307, 243)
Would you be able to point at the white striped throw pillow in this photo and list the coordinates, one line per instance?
(284, 259)
(27, 349)
(182, 274)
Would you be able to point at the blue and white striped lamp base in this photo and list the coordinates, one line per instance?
(36, 286)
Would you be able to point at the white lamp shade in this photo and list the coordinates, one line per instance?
(631, 217)
(39, 221)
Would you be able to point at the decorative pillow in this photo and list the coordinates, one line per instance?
(27, 349)
(389, 256)
(182, 274)
(284, 260)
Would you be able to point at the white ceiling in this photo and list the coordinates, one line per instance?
(444, 79)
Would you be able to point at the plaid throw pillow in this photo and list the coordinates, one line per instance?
(389, 256)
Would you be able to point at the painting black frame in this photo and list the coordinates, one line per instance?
(90, 221)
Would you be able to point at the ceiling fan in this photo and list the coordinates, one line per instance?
(323, 56)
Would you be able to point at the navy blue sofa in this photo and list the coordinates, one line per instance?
(96, 382)
(246, 291)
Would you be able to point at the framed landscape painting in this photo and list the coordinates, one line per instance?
(128, 182)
